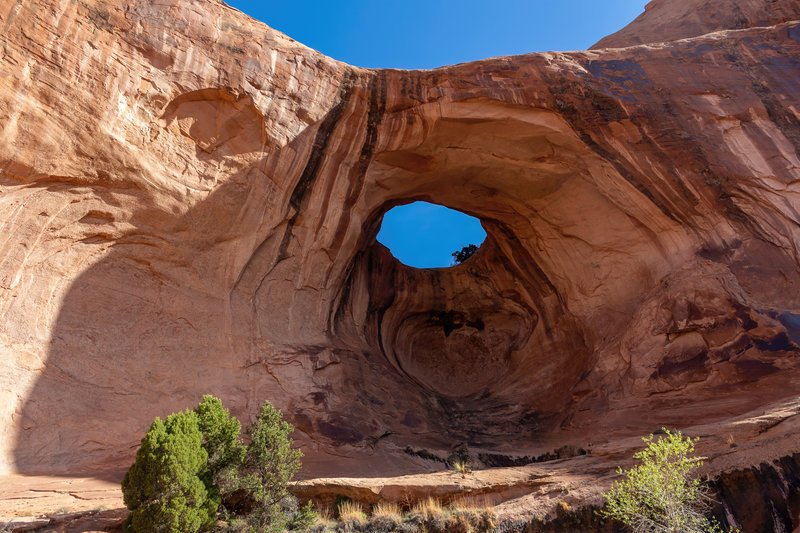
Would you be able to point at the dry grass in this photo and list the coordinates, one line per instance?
(471, 514)
(429, 506)
(325, 522)
(385, 517)
(471, 503)
(351, 512)
(325, 516)
(387, 510)
(467, 514)
(563, 509)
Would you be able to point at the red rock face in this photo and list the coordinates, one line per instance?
(190, 202)
(663, 20)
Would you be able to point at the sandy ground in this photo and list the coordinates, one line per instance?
(94, 502)
(68, 504)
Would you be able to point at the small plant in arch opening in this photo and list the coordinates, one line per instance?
(459, 256)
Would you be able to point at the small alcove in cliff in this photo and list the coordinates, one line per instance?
(426, 235)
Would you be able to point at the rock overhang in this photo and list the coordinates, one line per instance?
(639, 247)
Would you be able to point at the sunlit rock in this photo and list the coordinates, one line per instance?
(190, 201)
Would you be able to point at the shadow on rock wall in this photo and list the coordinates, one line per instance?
(210, 293)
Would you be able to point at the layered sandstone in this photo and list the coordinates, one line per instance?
(680, 19)
(190, 201)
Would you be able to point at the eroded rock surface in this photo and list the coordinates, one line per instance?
(190, 201)
(679, 19)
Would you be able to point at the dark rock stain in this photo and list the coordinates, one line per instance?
(785, 120)
(311, 170)
(377, 108)
(581, 122)
(791, 322)
(754, 370)
(321, 140)
(696, 367)
(778, 343)
(338, 431)
(760, 499)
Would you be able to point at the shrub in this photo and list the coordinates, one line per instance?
(164, 489)
(659, 495)
(460, 454)
(463, 254)
(303, 518)
(461, 468)
(220, 435)
(269, 463)
(323, 522)
(193, 461)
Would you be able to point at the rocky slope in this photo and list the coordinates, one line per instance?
(190, 201)
(680, 19)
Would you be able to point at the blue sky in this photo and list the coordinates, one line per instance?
(432, 33)
(425, 235)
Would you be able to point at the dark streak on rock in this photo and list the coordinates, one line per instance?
(377, 107)
(343, 297)
(740, 20)
(743, 314)
(100, 18)
(609, 111)
(321, 140)
(779, 114)
(311, 169)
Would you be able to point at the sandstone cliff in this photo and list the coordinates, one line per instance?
(679, 19)
(190, 201)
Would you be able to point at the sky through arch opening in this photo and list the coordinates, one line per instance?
(425, 235)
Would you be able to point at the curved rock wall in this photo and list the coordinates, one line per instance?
(190, 202)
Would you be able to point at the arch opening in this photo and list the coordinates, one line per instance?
(427, 235)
